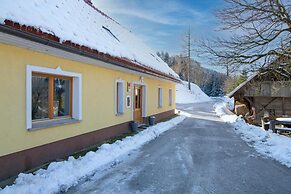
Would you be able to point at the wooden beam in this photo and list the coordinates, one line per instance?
(249, 101)
(263, 107)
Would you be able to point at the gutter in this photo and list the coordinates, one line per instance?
(58, 45)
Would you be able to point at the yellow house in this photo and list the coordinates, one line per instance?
(71, 77)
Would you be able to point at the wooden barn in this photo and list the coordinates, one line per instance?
(263, 96)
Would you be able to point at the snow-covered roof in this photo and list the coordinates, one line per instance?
(232, 93)
(78, 21)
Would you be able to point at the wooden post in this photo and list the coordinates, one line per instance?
(283, 106)
(273, 126)
(264, 125)
(189, 58)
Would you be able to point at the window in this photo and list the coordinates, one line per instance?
(119, 97)
(128, 101)
(138, 97)
(40, 97)
(160, 97)
(170, 97)
(52, 94)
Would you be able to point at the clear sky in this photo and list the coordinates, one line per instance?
(162, 23)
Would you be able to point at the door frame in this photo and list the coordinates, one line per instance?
(144, 99)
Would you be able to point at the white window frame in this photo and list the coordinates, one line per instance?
(120, 100)
(160, 97)
(170, 97)
(76, 96)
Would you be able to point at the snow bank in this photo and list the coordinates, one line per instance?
(78, 22)
(229, 102)
(184, 95)
(60, 176)
(267, 143)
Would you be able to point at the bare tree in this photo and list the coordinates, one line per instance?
(260, 33)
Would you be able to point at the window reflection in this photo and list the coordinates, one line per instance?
(40, 93)
(62, 99)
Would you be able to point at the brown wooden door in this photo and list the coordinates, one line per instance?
(137, 104)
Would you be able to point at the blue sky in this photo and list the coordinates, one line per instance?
(162, 23)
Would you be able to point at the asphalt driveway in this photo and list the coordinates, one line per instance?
(200, 155)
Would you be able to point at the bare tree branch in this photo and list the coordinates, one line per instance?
(261, 33)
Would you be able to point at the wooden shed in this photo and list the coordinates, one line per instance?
(266, 94)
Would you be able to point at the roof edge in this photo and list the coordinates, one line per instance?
(232, 93)
(36, 35)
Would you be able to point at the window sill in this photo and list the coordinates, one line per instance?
(52, 123)
(119, 114)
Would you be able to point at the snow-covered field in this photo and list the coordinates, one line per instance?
(184, 95)
(266, 143)
(60, 176)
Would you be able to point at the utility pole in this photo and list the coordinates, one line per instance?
(189, 57)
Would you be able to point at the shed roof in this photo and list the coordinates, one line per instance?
(277, 70)
(242, 85)
(79, 24)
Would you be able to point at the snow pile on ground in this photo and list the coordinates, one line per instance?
(229, 102)
(267, 143)
(60, 176)
(78, 22)
(184, 95)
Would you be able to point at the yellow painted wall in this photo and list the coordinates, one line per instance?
(97, 98)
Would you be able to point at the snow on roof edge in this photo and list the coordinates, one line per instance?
(231, 94)
(130, 47)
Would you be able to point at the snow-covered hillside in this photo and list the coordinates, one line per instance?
(184, 95)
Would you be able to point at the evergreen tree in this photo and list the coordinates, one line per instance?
(211, 82)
